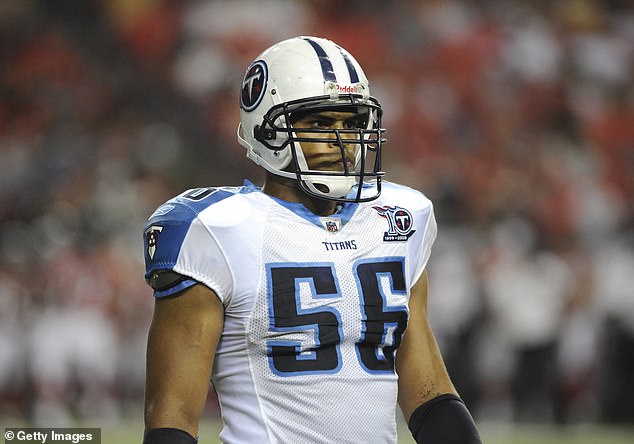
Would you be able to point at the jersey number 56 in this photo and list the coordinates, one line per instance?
(382, 324)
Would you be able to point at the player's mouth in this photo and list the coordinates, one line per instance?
(335, 165)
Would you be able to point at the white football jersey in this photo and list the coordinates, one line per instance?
(315, 307)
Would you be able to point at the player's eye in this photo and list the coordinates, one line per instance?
(321, 123)
(358, 122)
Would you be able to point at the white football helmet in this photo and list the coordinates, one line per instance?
(305, 75)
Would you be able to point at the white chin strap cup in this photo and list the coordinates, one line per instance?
(333, 187)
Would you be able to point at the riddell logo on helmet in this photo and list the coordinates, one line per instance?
(347, 89)
(340, 88)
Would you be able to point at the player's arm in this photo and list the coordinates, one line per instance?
(426, 395)
(181, 346)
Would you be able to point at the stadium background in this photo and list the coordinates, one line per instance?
(515, 117)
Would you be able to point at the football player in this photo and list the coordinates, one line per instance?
(304, 300)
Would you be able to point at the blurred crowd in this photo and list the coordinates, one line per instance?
(516, 117)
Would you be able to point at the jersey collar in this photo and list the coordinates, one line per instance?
(345, 210)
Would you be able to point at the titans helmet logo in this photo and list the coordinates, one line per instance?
(253, 86)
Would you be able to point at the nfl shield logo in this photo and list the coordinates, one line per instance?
(331, 224)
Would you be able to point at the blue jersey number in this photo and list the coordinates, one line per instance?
(382, 325)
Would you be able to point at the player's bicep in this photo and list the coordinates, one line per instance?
(182, 342)
(421, 370)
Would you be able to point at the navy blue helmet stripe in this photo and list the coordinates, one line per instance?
(354, 76)
(326, 65)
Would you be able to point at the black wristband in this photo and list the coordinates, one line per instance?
(443, 420)
(168, 436)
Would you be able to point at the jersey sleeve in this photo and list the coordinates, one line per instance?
(426, 231)
(181, 251)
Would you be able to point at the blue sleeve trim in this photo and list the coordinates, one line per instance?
(183, 285)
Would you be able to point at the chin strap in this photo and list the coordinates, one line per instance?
(335, 186)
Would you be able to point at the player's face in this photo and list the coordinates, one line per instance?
(327, 156)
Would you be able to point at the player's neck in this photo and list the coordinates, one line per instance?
(288, 190)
